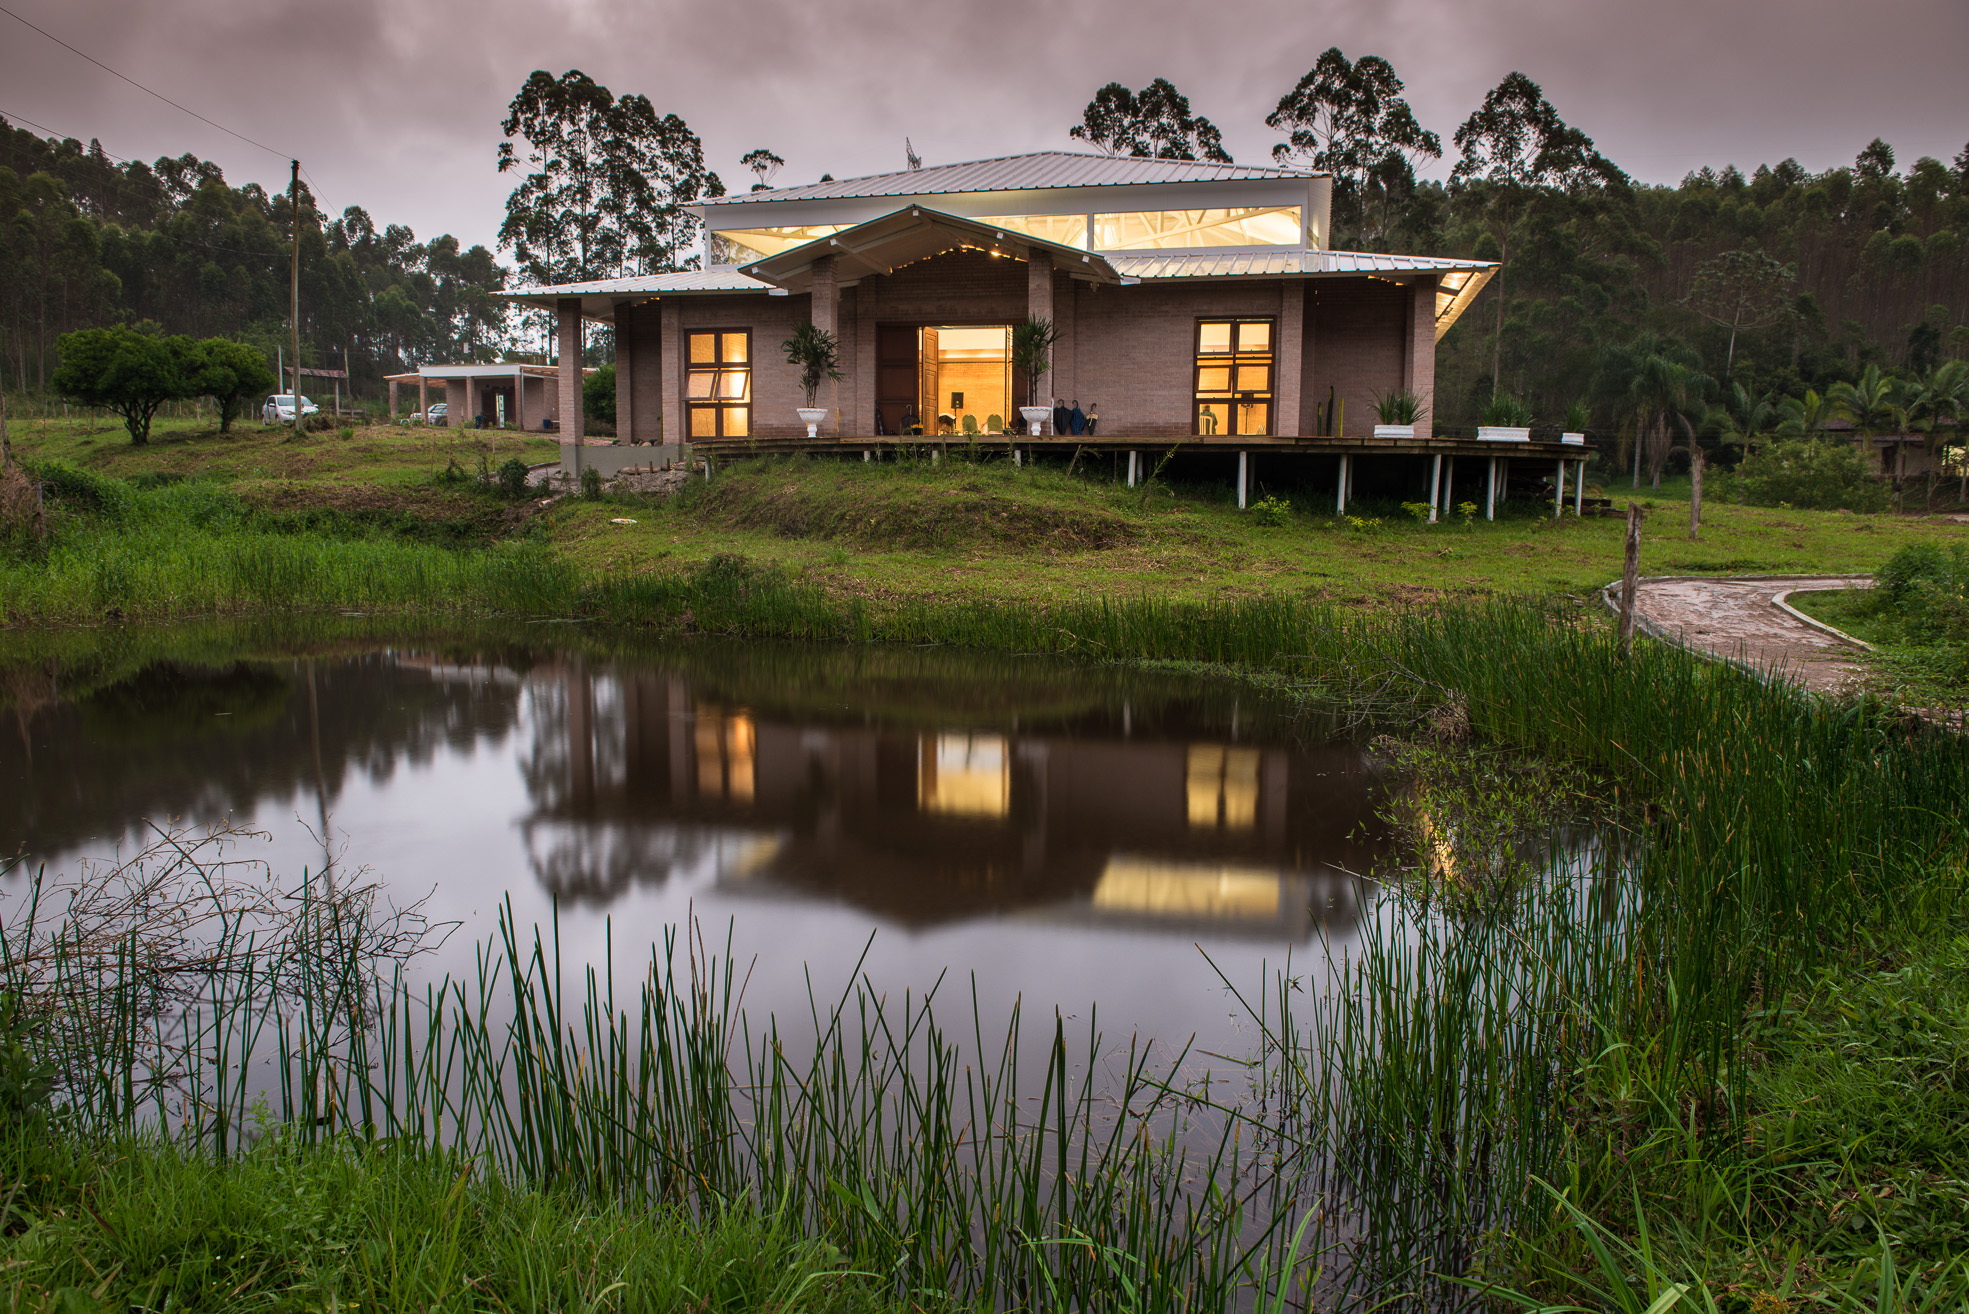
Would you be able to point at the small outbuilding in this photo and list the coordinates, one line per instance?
(522, 396)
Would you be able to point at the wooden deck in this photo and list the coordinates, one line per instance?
(733, 448)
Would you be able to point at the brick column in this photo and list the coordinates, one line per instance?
(393, 399)
(670, 346)
(1066, 380)
(824, 308)
(1419, 371)
(423, 397)
(1039, 305)
(864, 372)
(570, 380)
(1289, 359)
(625, 357)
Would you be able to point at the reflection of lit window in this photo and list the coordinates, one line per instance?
(741, 246)
(1233, 376)
(1163, 230)
(724, 755)
(1167, 889)
(1066, 229)
(718, 384)
(965, 775)
(1221, 786)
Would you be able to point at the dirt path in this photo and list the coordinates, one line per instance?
(1739, 619)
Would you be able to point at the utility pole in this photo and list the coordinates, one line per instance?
(294, 204)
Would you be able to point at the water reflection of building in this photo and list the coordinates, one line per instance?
(634, 773)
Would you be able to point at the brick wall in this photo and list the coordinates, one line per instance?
(1357, 343)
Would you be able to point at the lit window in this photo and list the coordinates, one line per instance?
(1066, 229)
(726, 746)
(1221, 785)
(1185, 890)
(741, 246)
(1234, 376)
(718, 384)
(1165, 230)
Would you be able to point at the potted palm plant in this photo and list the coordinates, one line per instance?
(1504, 419)
(1396, 413)
(1578, 415)
(1032, 352)
(818, 354)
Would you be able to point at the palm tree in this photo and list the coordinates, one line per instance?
(1742, 418)
(1872, 404)
(1941, 401)
(1659, 383)
(1803, 417)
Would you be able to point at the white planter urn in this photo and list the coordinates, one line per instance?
(812, 416)
(1036, 418)
(1502, 433)
(1573, 439)
(1394, 431)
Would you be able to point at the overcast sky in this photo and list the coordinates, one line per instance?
(396, 106)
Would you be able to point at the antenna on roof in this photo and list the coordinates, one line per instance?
(909, 152)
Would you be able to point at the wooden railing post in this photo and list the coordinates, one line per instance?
(1630, 576)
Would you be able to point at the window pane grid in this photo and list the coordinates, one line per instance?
(1233, 393)
(718, 384)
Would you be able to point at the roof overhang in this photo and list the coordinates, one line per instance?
(505, 371)
(600, 298)
(913, 233)
(1455, 291)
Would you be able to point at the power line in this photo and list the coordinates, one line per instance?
(141, 87)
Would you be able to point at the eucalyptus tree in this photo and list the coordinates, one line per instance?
(1348, 118)
(763, 164)
(603, 181)
(1515, 144)
(1155, 122)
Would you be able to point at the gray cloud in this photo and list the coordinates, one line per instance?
(396, 107)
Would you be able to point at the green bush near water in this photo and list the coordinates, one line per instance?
(1810, 474)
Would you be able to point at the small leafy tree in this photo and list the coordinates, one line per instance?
(817, 353)
(1741, 290)
(598, 395)
(125, 372)
(231, 374)
(1032, 352)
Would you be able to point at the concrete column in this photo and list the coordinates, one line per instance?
(519, 397)
(1419, 369)
(1559, 491)
(570, 352)
(670, 346)
(625, 373)
(1435, 485)
(1490, 490)
(423, 396)
(393, 399)
(458, 403)
(1131, 468)
(1579, 489)
(1243, 477)
(1289, 357)
(1340, 499)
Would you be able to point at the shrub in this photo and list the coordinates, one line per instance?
(1812, 474)
(1505, 411)
(598, 396)
(591, 483)
(82, 490)
(512, 477)
(1271, 511)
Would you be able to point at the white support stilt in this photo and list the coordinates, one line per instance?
(1243, 477)
(1340, 500)
(1559, 491)
(936, 455)
(864, 456)
(1435, 485)
(1579, 490)
(1131, 469)
(1490, 490)
(1018, 457)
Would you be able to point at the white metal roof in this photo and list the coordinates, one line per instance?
(914, 233)
(1278, 261)
(598, 297)
(1008, 173)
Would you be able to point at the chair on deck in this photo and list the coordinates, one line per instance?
(970, 425)
(994, 424)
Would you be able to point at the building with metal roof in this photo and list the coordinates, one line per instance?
(1192, 302)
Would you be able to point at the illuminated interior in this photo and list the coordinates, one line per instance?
(741, 246)
(964, 379)
(1165, 230)
(965, 775)
(1066, 229)
(726, 748)
(718, 384)
(1169, 889)
(1233, 376)
(1221, 785)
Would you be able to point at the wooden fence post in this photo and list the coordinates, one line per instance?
(1695, 492)
(1630, 573)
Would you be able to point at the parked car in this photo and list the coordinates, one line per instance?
(437, 413)
(279, 408)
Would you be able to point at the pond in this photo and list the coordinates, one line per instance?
(1070, 837)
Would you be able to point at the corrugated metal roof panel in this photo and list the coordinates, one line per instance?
(718, 278)
(1279, 261)
(1011, 173)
